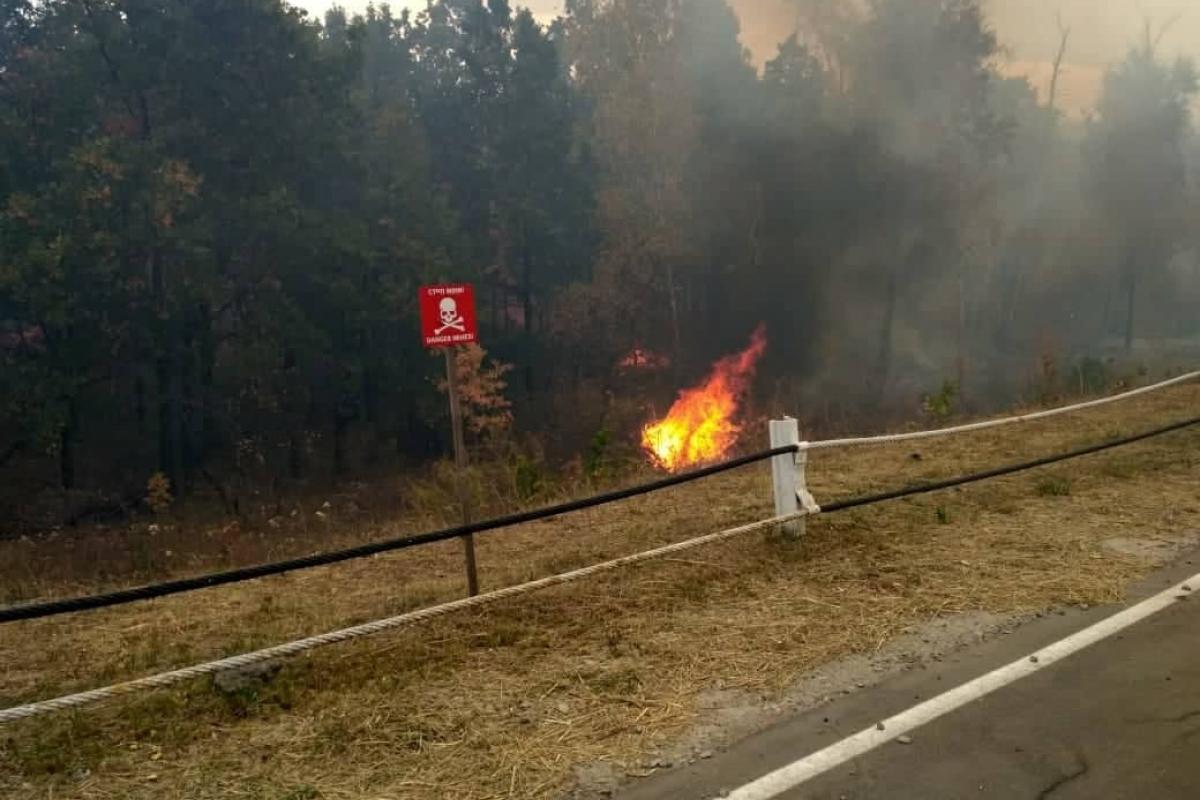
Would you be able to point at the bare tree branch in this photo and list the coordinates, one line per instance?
(1064, 34)
(1151, 39)
(113, 73)
(1165, 29)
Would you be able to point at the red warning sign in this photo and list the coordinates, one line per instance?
(448, 315)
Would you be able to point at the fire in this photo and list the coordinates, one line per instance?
(700, 426)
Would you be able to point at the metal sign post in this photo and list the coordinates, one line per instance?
(448, 320)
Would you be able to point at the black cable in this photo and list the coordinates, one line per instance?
(123, 596)
(926, 488)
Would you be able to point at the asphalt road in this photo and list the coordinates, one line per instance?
(1120, 719)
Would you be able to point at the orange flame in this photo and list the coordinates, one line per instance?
(700, 426)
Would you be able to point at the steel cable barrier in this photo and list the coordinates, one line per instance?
(163, 589)
(1002, 421)
(1011, 469)
(173, 677)
(122, 596)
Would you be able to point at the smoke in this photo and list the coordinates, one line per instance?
(1101, 33)
(948, 220)
(765, 23)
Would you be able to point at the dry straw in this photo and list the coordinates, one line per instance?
(507, 702)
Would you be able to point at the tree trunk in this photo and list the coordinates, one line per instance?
(170, 392)
(883, 363)
(527, 300)
(527, 335)
(66, 447)
(1131, 303)
(960, 361)
(139, 403)
(341, 425)
(1106, 322)
(674, 306)
(188, 435)
(296, 454)
(206, 433)
(170, 420)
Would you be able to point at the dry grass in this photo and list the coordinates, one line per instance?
(503, 703)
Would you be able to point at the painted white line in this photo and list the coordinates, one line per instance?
(809, 767)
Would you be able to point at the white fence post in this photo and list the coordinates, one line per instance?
(787, 472)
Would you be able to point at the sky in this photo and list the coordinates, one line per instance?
(1101, 32)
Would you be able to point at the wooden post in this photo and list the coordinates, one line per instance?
(460, 462)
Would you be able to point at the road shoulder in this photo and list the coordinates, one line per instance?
(853, 694)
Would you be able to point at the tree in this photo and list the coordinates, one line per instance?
(65, 185)
(922, 83)
(1137, 164)
(500, 116)
(628, 61)
(214, 215)
(147, 226)
(487, 413)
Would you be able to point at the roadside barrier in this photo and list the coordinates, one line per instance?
(793, 505)
(71, 605)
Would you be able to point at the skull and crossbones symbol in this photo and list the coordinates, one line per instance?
(451, 319)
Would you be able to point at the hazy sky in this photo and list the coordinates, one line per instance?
(1102, 31)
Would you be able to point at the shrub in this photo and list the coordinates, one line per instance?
(1054, 486)
(158, 493)
(940, 407)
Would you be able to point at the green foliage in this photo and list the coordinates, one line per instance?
(214, 217)
(58, 748)
(940, 406)
(596, 460)
(302, 792)
(1094, 376)
(1054, 486)
(529, 478)
(943, 515)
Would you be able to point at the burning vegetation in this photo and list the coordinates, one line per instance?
(701, 426)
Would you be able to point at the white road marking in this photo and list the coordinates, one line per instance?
(809, 767)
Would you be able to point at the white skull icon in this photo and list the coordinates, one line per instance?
(451, 319)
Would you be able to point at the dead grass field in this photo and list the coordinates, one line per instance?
(504, 703)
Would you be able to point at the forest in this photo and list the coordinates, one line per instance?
(215, 216)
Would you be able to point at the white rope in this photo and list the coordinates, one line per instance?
(165, 679)
(996, 423)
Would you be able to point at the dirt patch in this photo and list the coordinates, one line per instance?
(1154, 550)
(727, 717)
